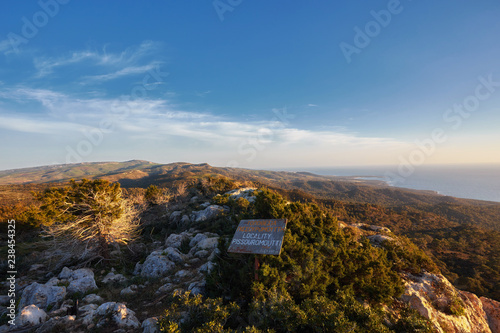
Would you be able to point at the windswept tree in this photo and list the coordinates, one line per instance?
(89, 216)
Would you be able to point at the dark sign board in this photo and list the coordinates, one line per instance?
(259, 237)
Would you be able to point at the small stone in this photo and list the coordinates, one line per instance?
(130, 290)
(112, 277)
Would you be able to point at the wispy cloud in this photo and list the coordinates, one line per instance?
(160, 122)
(39, 126)
(122, 72)
(127, 58)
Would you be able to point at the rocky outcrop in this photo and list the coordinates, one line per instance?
(492, 310)
(42, 296)
(379, 239)
(449, 309)
(245, 193)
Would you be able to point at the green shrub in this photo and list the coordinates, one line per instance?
(188, 313)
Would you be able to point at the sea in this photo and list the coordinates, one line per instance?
(481, 182)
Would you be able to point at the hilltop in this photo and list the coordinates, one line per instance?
(458, 241)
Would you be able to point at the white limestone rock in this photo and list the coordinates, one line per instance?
(42, 296)
(150, 325)
(164, 289)
(156, 265)
(196, 239)
(130, 290)
(174, 255)
(208, 213)
(93, 298)
(175, 240)
(82, 280)
(30, 315)
(87, 313)
(245, 193)
(111, 277)
(208, 244)
(119, 313)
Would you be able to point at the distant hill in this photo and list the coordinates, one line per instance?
(138, 173)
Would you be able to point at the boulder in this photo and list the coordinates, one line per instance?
(175, 240)
(164, 289)
(119, 313)
(175, 216)
(174, 255)
(492, 311)
(81, 281)
(208, 213)
(208, 243)
(156, 265)
(31, 315)
(196, 239)
(42, 296)
(150, 325)
(65, 273)
(92, 298)
(87, 313)
(197, 288)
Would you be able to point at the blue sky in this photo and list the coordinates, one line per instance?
(254, 84)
